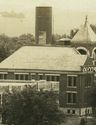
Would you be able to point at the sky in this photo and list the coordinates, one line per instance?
(18, 16)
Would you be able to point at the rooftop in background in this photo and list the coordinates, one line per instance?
(45, 58)
(85, 34)
(63, 41)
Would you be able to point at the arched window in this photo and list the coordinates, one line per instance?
(94, 53)
(83, 51)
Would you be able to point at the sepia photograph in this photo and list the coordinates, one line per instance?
(47, 62)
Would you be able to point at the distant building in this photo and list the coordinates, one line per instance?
(60, 69)
(63, 41)
(43, 25)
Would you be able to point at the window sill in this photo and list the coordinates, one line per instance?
(71, 103)
(71, 86)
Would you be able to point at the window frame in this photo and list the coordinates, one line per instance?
(72, 84)
(72, 97)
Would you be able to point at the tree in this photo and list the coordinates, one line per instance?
(8, 45)
(73, 32)
(30, 107)
(26, 39)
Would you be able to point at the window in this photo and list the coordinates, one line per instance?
(74, 97)
(21, 77)
(40, 77)
(69, 81)
(73, 111)
(68, 111)
(33, 76)
(3, 76)
(71, 97)
(72, 80)
(48, 78)
(88, 111)
(52, 78)
(26, 77)
(57, 78)
(17, 76)
(88, 80)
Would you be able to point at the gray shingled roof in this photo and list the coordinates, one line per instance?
(45, 58)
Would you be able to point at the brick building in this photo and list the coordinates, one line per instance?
(60, 69)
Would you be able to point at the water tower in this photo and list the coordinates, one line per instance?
(43, 25)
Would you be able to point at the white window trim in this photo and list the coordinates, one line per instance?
(40, 73)
(52, 74)
(72, 75)
(71, 91)
(17, 73)
(33, 73)
(3, 72)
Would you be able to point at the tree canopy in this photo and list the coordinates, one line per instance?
(8, 45)
(29, 107)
